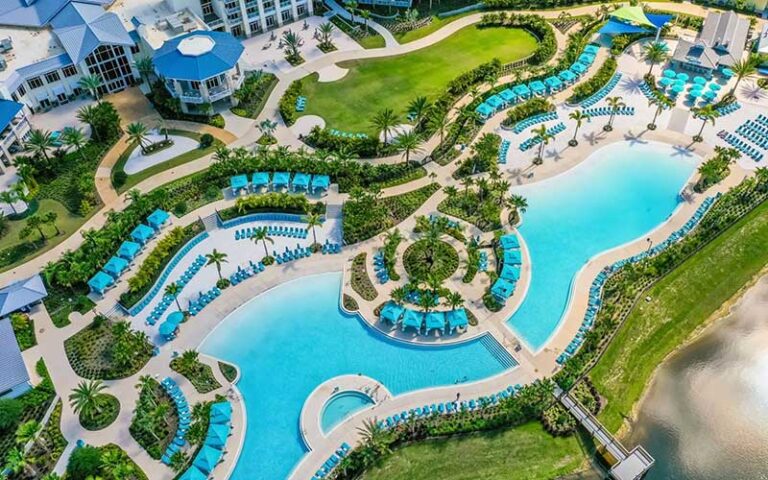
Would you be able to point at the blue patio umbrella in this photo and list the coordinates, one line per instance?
(207, 459)
(281, 179)
(591, 49)
(567, 76)
(116, 266)
(413, 319)
(391, 312)
(578, 68)
(221, 412)
(238, 182)
(435, 321)
(503, 289)
(665, 82)
(710, 95)
(699, 80)
(512, 257)
(682, 76)
(678, 89)
(510, 273)
(495, 101)
(727, 72)
(217, 436)
(320, 182)
(158, 218)
(128, 250)
(521, 90)
(537, 86)
(669, 73)
(167, 328)
(694, 93)
(193, 473)
(715, 87)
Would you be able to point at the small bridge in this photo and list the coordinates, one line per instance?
(629, 465)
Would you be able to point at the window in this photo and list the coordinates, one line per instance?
(14, 97)
(69, 71)
(270, 21)
(207, 7)
(285, 15)
(35, 82)
(21, 91)
(52, 77)
(269, 4)
(301, 9)
(213, 82)
(134, 49)
(255, 27)
(284, 4)
(111, 64)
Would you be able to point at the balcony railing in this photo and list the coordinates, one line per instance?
(218, 93)
(191, 97)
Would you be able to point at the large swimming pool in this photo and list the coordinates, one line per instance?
(293, 338)
(620, 193)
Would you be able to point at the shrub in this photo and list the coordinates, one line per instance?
(288, 102)
(361, 282)
(484, 156)
(271, 202)
(83, 463)
(253, 94)
(24, 329)
(365, 147)
(206, 140)
(10, 413)
(119, 178)
(217, 121)
(534, 106)
(586, 89)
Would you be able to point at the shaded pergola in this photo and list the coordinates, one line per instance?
(632, 19)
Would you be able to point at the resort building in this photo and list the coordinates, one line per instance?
(200, 68)
(47, 46)
(720, 44)
(14, 127)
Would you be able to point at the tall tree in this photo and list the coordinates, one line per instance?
(145, 67)
(615, 104)
(261, 235)
(417, 109)
(172, 290)
(578, 117)
(39, 142)
(407, 143)
(707, 114)
(542, 136)
(744, 68)
(313, 220)
(384, 121)
(92, 83)
(653, 53)
(137, 133)
(217, 258)
(73, 137)
(88, 397)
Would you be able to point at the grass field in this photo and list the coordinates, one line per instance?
(523, 453)
(375, 84)
(680, 303)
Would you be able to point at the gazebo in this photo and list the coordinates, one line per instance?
(158, 218)
(116, 266)
(128, 250)
(509, 240)
(238, 183)
(567, 76)
(281, 180)
(259, 180)
(435, 321)
(508, 95)
(553, 83)
(484, 110)
(320, 182)
(100, 282)
(502, 289)
(522, 90)
(512, 257)
(391, 312)
(412, 319)
(217, 435)
(537, 87)
(207, 459)
(510, 273)
(142, 234)
(578, 68)
(495, 101)
(456, 319)
(301, 180)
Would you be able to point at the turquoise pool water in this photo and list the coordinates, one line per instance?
(341, 406)
(622, 192)
(293, 338)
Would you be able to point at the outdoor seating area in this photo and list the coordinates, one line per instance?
(301, 103)
(339, 133)
(142, 234)
(184, 414)
(203, 300)
(167, 300)
(503, 151)
(246, 273)
(504, 287)
(595, 289)
(533, 141)
(290, 255)
(741, 145)
(606, 111)
(158, 219)
(448, 322)
(382, 274)
(728, 109)
(239, 184)
(170, 326)
(332, 461)
(329, 247)
(534, 120)
(651, 94)
(755, 131)
(602, 93)
(674, 84)
(212, 451)
(447, 408)
(272, 231)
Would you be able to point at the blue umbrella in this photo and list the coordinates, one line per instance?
(715, 87)
(699, 80)
(694, 93)
(727, 72)
(669, 73)
(665, 82)
(682, 76)
(678, 88)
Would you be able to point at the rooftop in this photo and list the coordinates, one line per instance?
(13, 372)
(21, 294)
(198, 55)
(155, 21)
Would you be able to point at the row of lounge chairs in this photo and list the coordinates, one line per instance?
(503, 151)
(741, 145)
(301, 103)
(482, 262)
(447, 408)
(182, 282)
(533, 141)
(380, 267)
(184, 414)
(332, 461)
(290, 255)
(272, 231)
(606, 111)
(650, 94)
(595, 290)
(754, 132)
(339, 133)
(246, 273)
(331, 248)
(196, 306)
(534, 120)
(728, 109)
(603, 92)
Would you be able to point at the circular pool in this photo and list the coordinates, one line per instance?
(340, 406)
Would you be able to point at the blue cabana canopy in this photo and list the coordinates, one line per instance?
(193, 473)
(301, 180)
(413, 319)
(537, 86)
(503, 289)
(391, 312)
(435, 321)
(509, 240)
(457, 318)
(128, 250)
(495, 101)
(100, 282)
(260, 179)
(614, 27)
(484, 110)
(578, 68)
(567, 76)
(553, 82)
(116, 266)
(521, 90)
(727, 72)
(321, 181)
(592, 48)
(665, 81)
(142, 233)
(586, 59)
(238, 182)
(510, 273)
(221, 413)
(281, 179)
(217, 436)
(158, 218)
(658, 19)
(508, 95)
(512, 257)
(207, 459)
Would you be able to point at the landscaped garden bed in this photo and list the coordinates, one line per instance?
(154, 419)
(424, 259)
(199, 374)
(104, 417)
(108, 462)
(48, 446)
(107, 351)
(253, 93)
(272, 202)
(229, 371)
(361, 281)
(24, 329)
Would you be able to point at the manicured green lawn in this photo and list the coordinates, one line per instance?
(680, 303)
(523, 453)
(349, 104)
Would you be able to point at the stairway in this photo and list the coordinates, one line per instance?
(498, 352)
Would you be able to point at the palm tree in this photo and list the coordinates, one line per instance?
(145, 67)
(371, 432)
(88, 397)
(661, 102)
(292, 42)
(172, 290)
(577, 116)
(653, 53)
(261, 235)
(189, 361)
(408, 143)
(137, 133)
(27, 432)
(417, 109)
(743, 69)
(398, 295)
(454, 300)
(543, 137)
(147, 383)
(16, 461)
(384, 121)
(73, 137)
(8, 197)
(615, 104)
(267, 127)
(93, 84)
(427, 302)
(326, 30)
(439, 120)
(707, 114)
(90, 115)
(518, 202)
(761, 175)
(313, 220)
(39, 142)
(217, 258)
(178, 461)
(365, 15)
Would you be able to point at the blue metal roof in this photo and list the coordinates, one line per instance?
(171, 63)
(45, 66)
(12, 369)
(21, 294)
(17, 13)
(8, 110)
(81, 28)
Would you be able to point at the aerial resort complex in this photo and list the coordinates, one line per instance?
(383, 239)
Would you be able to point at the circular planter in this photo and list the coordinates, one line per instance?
(109, 412)
(421, 260)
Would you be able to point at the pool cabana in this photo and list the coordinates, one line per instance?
(579, 69)
(512, 257)
(567, 76)
(484, 110)
(193, 473)
(207, 459)
(434, 321)
(522, 91)
(509, 241)
(142, 234)
(260, 180)
(100, 283)
(392, 312)
(510, 273)
(508, 96)
(301, 181)
(115, 266)
(413, 319)
(538, 87)
(217, 436)
(502, 289)
(553, 83)
(158, 218)
(320, 182)
(128, 250)
(221, 413)
(238, 184)
(456, 319)
(495, 101)
(281, 180)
